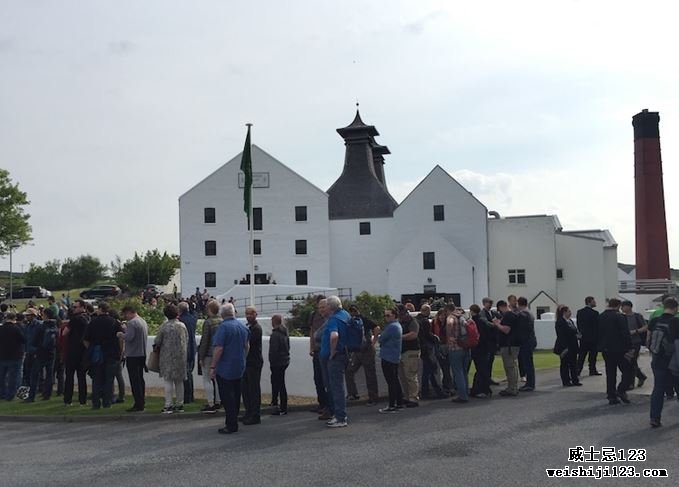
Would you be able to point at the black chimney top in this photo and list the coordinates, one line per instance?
(645, 125)
(360, 192)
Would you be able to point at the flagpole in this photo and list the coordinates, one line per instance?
(252, 243)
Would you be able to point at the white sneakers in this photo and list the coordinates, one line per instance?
(336, 423)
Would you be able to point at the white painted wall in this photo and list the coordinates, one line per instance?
(280, 230)
(522, 243)
(359, 261)
(582, 261)
(611, 271)
(461, 236)
(453, 272)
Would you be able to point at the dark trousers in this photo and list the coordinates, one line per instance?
(393, 385)
(102, 383)
(188, 383)
(587, 348)
(526, 360)
(321, 391)
(279, 394)
(28, 367)
(569, 368)
(635, 364)
(615, 361)
(365, 359)
(429, 374)
(135, 371)
(59, 374)
(252, 391)
(120, 380)
(39, 365)
(74, 366)
(444, 364)
(663, 379)
(9, 378)
(229, 391)
(481, 383)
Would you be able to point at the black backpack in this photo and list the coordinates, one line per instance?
(660, 341)
(49, 338)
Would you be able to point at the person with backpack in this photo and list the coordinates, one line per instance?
(210, 326)
(529, 343)
(663, 333)
(637, 329)
(458, 354)
(428, 343)
(361, 335)
(45, 345)
(481, 354)
(410, 357)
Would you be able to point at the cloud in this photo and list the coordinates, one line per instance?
(122, 47)
(418, 26)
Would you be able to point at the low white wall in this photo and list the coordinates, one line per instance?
(299, 378)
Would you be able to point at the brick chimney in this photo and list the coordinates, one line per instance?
(653, 260)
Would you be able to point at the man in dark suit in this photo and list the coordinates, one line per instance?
(615, 343)
(588, 326)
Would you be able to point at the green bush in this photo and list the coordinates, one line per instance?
(153, 315)
(371, 306)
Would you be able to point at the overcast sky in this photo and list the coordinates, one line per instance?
(109, 111)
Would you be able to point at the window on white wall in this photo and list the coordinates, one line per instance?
(559, 273)
(210, 279)
(300, 247)
(517, 276)
(209, 215)
(439, 214)
(210, 247)
(300, 214)
(364, 228)
(301, 278)
(429, 260)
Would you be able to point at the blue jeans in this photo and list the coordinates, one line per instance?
(459, 362)
(40, 364)
(662, 379)
(9, 375)
(526, 362)
(336, 369)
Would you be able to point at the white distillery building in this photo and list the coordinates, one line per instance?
(532, 256)
(355, 235)
(437, 241)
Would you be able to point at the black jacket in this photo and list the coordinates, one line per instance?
(279, 347)
(588, 324)
(614, 336)
(254, 358)
(566, 337)
(425, 336)
(527, 329)
(487, 337)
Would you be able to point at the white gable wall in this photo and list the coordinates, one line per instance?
(280, 230)
(453, 273)
(464, 228)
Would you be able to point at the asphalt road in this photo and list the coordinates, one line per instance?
(503, 441)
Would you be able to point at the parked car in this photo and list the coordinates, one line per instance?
(30, 292)
(103, 291)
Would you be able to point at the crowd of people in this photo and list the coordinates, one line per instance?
(423, 355)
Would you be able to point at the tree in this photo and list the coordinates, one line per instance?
(82, 271)
(151, 268)
(14, 227)
(48, 275)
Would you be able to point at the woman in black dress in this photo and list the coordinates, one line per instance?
(566, 346)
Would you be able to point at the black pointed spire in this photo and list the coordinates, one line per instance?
(360, 191)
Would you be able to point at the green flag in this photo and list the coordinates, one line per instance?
(246, 167)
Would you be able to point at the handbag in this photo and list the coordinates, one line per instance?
(154, 361)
